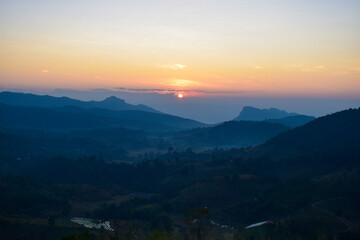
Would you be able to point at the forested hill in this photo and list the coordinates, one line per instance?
(79, 118)
(230, 134)
(45, 101)
(335, 130)
(292, 121)
(328, 143)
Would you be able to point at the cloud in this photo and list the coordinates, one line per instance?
(313, 68)
(305, 67)
(182, 83)
(176, 66)
(174, 92)
(177, 91)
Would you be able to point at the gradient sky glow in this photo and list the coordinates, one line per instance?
(245, 47)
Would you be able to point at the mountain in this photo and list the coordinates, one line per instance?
(66, 118)
(32, 100)
(230, 134)
(288, 177)
(292, 121)
(341, 129)
(305, 180)
(255, 114)
(328, 142)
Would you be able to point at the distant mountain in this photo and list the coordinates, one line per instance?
(66, 118)
(32, 100)
(230, 134)
(292, 121)
(255, 114)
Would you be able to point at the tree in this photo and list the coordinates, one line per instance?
(198, 220)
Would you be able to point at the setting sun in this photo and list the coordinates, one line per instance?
(126, 118)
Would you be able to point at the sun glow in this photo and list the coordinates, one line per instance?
(221, 49)
(180, 95)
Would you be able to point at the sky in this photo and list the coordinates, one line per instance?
(207, 50)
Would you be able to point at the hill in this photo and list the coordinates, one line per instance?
(305, 180)
(323, 145)
(63, 118)
(255, 114)
(32, 100)
(292, 121)
(229, 134)
(335, 130)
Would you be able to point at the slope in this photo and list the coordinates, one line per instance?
(27, 99)
(230, 134)
(80, 118)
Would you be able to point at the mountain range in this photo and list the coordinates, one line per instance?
(32, 100)
(303, 177)
(33, 112)
(71, 117)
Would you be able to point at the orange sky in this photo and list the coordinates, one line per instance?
(260, 47)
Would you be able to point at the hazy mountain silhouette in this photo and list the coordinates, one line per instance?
(255, 114)
(76, 118)
(232, 133)
(27, 99)
(292, 121)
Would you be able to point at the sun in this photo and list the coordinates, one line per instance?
(180, 95)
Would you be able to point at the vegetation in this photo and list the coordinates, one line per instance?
(304, 183)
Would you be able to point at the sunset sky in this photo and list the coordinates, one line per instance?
(236, 47)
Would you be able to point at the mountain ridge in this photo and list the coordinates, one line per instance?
(249, 113)
(72, 117)
(46, 101)
(292, 121)
(231, 134)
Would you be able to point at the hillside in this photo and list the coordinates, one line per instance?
(229, 134)
(326, 144)
(303, 178)
(32, 100)
(334, 130)
(80, 118)
(292, 121)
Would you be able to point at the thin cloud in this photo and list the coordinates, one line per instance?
(176, 66)
(313, 68)
(182, 83)
(177, 91)
(45, 71)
